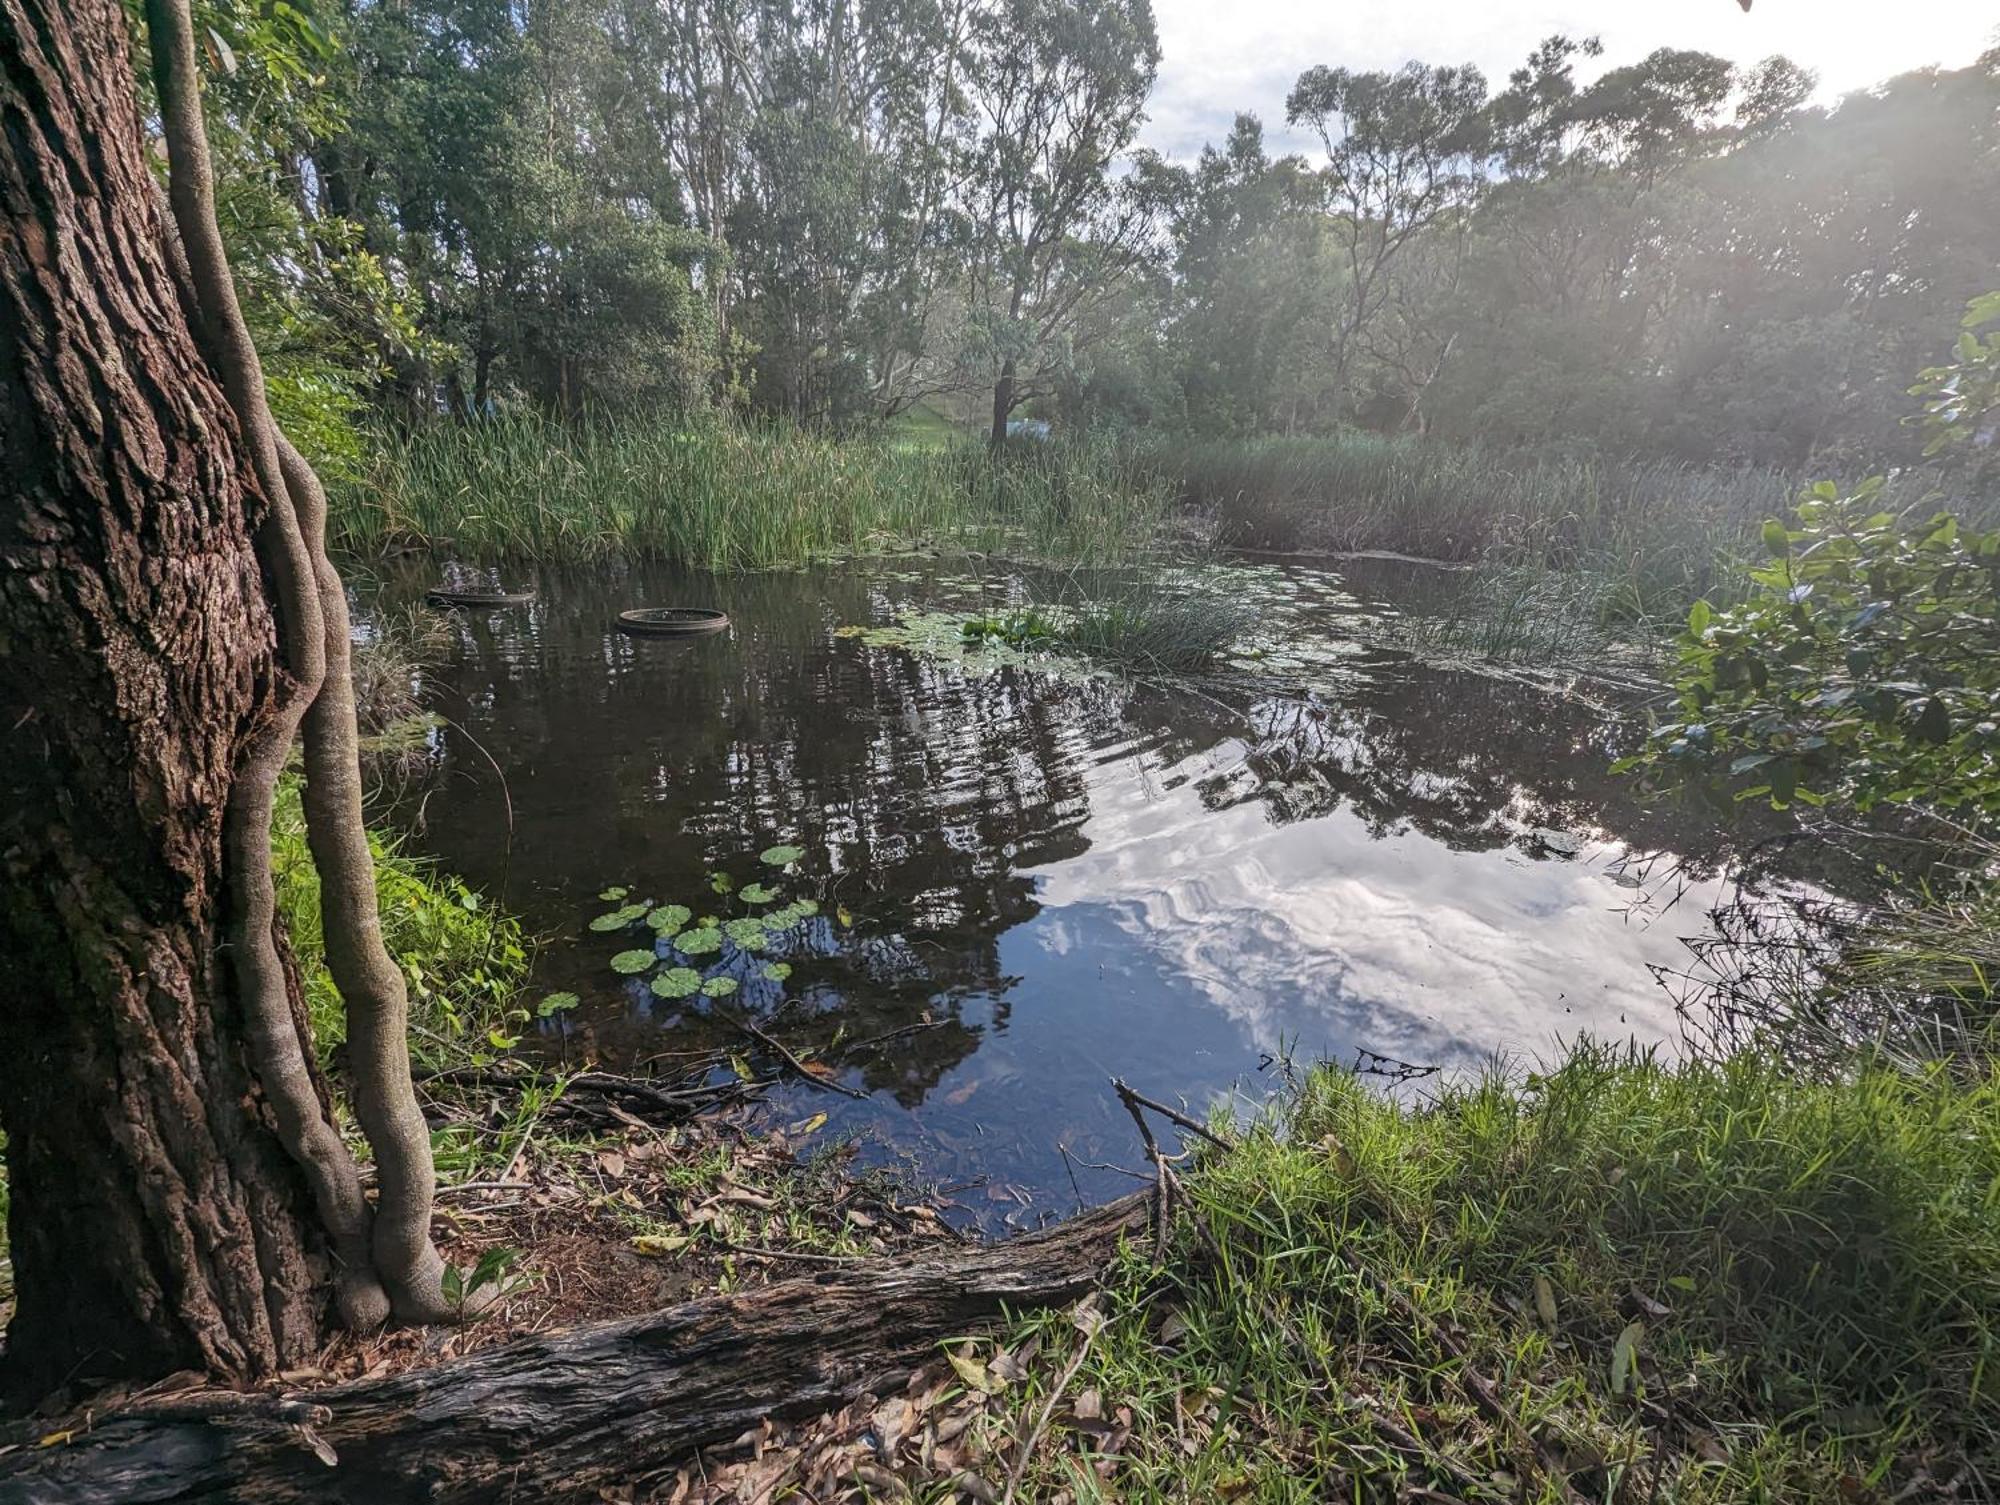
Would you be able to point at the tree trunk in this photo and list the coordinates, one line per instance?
(567, 1414)
(157, 1224)
(1003, 403)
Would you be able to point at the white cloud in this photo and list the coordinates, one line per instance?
(1219, 59)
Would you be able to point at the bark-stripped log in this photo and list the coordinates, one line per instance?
(562, 1415)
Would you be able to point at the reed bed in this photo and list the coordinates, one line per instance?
(725, 498)
(1661, 533)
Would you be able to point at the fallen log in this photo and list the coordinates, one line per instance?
(561, 1415)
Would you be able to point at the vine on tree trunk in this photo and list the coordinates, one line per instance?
(394, 1249)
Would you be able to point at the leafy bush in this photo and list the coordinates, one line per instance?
(1862, 667)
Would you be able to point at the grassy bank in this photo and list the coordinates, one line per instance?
(1704, 1284)
(723, 498)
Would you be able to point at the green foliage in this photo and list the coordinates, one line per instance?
(1962, 397)
(1153, 621)
(1814, 1269)
(464, 962)
(1015, 629)
(1862, 667)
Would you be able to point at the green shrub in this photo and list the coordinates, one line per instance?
(463, 960)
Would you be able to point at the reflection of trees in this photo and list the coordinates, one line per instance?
(919, 793)
(1471, 762)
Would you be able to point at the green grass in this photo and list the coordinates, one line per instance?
(1525, 614)
(723, 498)
(464, 961)
(1146, 621)
(1824, 1256)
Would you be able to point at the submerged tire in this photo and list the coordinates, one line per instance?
(478, 598)
(671, 621)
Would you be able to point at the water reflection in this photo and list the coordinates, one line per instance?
(1027, 884)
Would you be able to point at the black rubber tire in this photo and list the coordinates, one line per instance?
(671, 621)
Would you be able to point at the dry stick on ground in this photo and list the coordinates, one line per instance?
(565, 1415)
(1090, 1329)
(281, 1057)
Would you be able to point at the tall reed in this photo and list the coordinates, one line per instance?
(722, 497)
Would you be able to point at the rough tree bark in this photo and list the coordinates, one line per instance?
(156, 1221)
(566, 1414)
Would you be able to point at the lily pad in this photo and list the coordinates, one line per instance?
(718, 987)
(748, 934)
(631, 963)
(722, 883)
(703, 940)
(613, 894)
(556, 1003)
(781, 856)
(677, 982)
(776, 971)
(756, 893)
(619, 918)
(669, 919)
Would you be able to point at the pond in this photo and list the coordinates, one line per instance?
(1000, 883)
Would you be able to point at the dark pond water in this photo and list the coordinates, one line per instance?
(1032, 882)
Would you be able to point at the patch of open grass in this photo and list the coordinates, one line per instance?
(1802, 1278)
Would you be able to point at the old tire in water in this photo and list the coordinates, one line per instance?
(671, 621)
(442, 597)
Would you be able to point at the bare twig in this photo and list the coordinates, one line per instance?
(1135, 1100)
(796, 1065)
(1034, 1437)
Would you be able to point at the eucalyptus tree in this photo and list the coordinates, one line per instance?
(181, 1196)
(1404, 150)
(492, 154)
(843, 230)
(1054, 232)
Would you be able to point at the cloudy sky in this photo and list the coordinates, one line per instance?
(1221, 56)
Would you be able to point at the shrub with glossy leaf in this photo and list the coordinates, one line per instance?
(1863, 667)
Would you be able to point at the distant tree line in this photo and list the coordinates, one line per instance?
(835, 210)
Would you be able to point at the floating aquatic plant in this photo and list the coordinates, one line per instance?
(556, 1003)
(631, 963)
(756, 893)
(613, 894)
(748, 934)
(619, 918)
(703, 940)
(775, 971)
(780, 856)
(670, 919)
(718, 987)
(677, 982)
